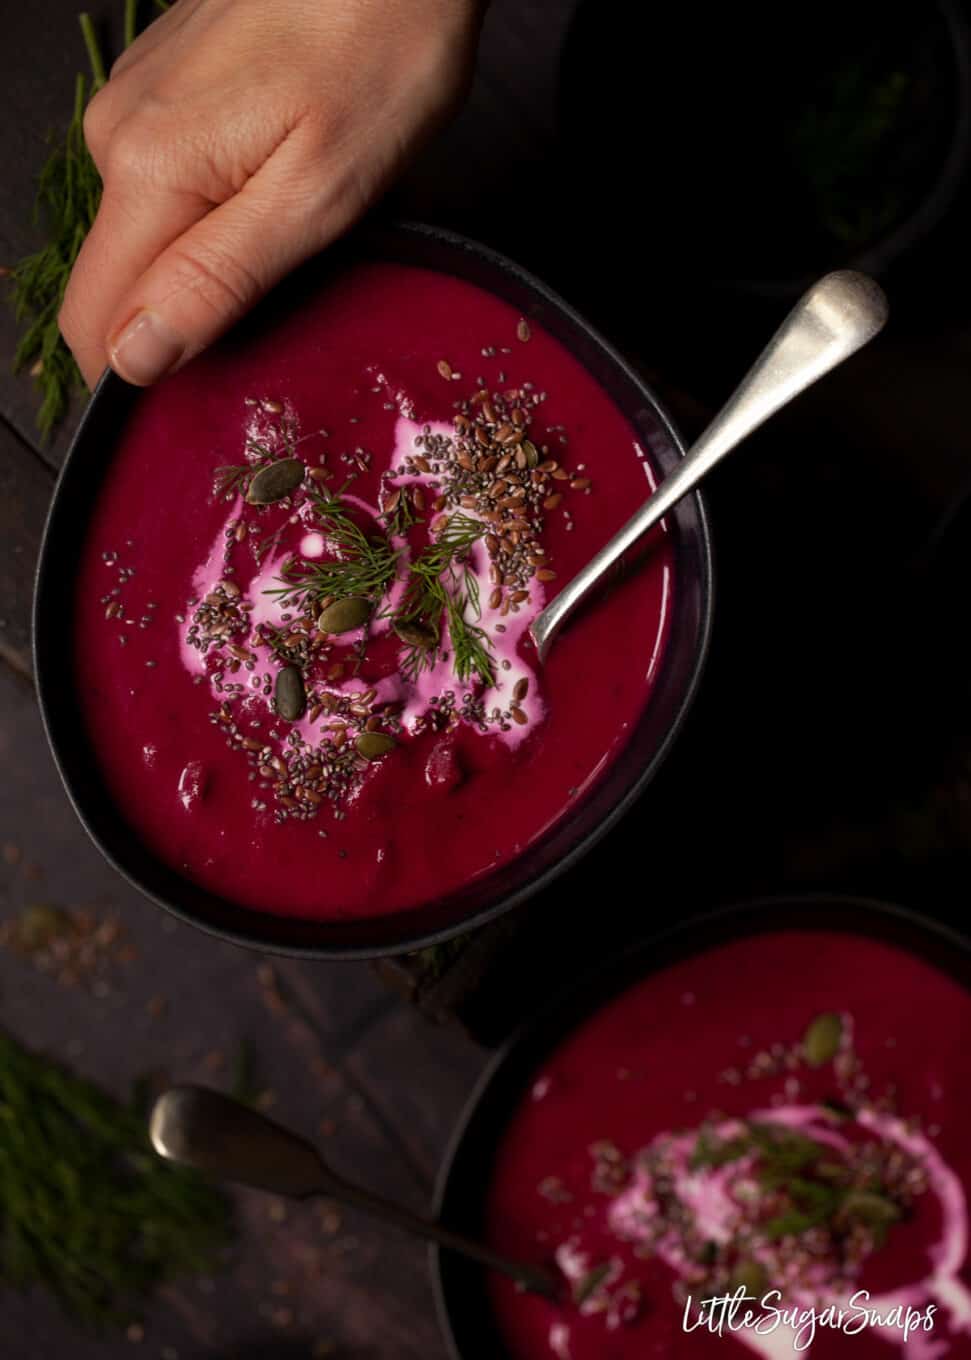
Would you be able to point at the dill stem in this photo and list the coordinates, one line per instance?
(80, 89)
(130, 8)
(94, 50)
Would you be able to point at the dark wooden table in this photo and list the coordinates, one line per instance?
(836, 497)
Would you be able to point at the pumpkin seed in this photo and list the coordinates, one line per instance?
(416, 633)
(276, 481)
(869, 1207)
(531, 452)
(344, 615)
(822, 1039)
(374, 745)
(290, 697)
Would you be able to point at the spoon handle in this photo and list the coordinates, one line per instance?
(224, 1138)
(837, 316)
(536, 1280)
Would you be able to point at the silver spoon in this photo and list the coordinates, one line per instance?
(833, 320)
(226, 1139)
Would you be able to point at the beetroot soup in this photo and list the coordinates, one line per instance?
(786, 1112)
(302, 607)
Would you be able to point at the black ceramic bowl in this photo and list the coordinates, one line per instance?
(87, 464)
(460, 1287)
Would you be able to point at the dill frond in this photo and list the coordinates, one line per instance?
(68, 195)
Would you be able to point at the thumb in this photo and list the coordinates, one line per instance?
(213, 273)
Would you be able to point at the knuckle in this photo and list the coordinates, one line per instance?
(218, 277)
(97, 122)
(128, 153)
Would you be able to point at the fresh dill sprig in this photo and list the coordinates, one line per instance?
(365, 566)
(471, 654)
(68, 195)
(232, 477)
(87, 1209)
(438, 583)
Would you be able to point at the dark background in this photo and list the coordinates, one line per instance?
(828, 749)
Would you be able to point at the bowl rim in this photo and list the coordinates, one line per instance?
(943, 945)
(245, 932)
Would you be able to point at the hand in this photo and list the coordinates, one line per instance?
(236, 138)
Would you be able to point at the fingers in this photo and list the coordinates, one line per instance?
(218, 268)
(129, 232)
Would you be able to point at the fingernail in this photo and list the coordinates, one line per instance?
(146, 349)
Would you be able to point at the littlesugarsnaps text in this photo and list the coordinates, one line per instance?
(727, 1314)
